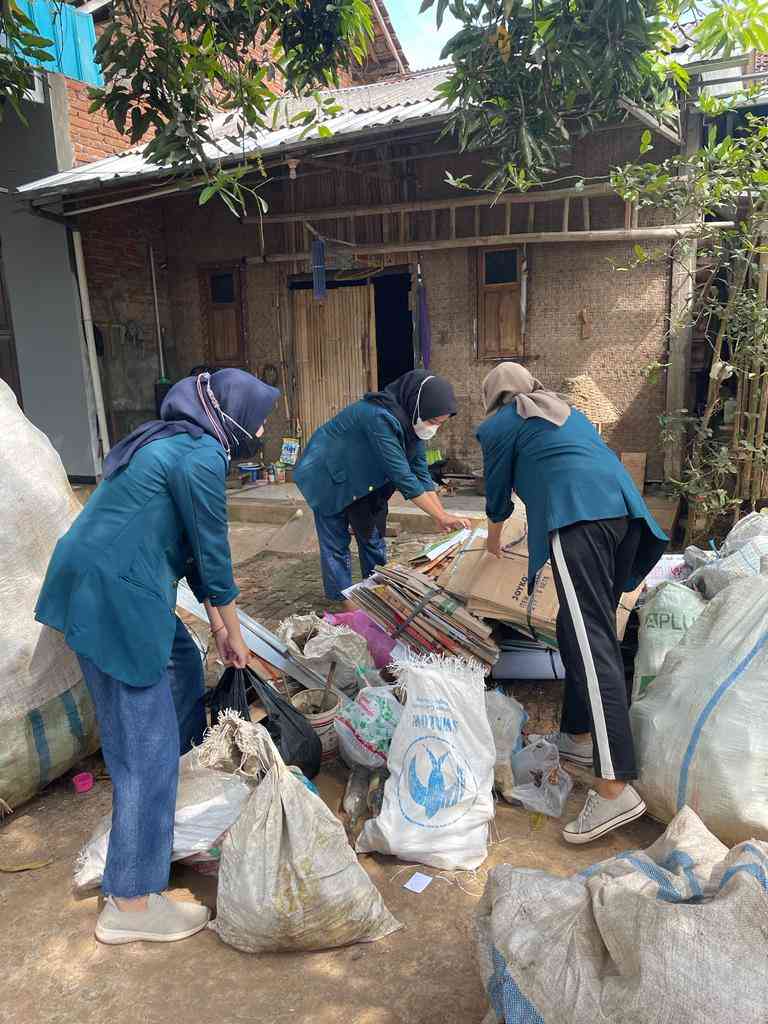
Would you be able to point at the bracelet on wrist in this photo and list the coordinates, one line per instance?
(218, 629)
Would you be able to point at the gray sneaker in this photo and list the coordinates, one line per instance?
(164, 920)
(600, 816)
(570, 750)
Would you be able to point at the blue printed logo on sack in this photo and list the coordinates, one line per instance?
(436, 787)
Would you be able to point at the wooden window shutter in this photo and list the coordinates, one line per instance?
(222, 293)
(499, 328)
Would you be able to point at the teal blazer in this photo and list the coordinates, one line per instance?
(111, 583)
(564, 475)
(360, 450)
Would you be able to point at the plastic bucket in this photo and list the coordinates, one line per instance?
(329, 702)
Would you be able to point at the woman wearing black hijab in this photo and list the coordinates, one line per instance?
(355, 462)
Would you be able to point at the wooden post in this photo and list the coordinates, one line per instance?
(477, 222)
(627, 216)
(566, 213)
(680, 332)
(433, 225)
(585, 211)
(403, 226)
(760, 384)
(635, 216)
(453, 222)
(531, 216)
(508, 218)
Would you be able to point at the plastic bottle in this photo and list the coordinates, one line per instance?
(376, 791)
(356, 793)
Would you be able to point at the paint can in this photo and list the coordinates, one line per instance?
(321, 708)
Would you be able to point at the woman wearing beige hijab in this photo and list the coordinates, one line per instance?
(587, 516)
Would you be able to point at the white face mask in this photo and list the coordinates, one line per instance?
(424, 431)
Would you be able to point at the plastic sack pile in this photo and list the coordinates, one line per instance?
(365, 726)
(288, 878)
(47, 721)
(675, 933)
(438, 799)
(701, 727)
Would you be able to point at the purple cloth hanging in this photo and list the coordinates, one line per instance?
(425, 328)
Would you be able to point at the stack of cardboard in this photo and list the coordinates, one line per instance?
(410, 606)
(494, 588)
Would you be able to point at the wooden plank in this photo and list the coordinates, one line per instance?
(507, 218)
(421, 206)
(665, 511)
(669, 233)
(531, 218)
(566, 212)
(453, 221)
(433, 225)
(477, 220)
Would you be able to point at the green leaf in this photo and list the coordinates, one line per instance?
(324, 131)
(206, 194)
(646, 141)
(442, 6)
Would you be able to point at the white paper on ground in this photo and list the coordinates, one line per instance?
(418, 882)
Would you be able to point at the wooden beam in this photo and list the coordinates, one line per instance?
(453, 222)
(566, 212)
(585, 211)
(627, 215)
(433, 225)
(477, 220)
(531, 217)
(669, 233)
(332, 213)
(507, 218)
(650, 121)
(680, 334)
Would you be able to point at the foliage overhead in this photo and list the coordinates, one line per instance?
(529, 75)
(21, 48)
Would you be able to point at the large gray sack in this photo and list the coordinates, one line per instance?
(672, 935)
(47, 722)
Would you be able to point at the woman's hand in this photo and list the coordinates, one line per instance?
(448, 523)
(493, 544)
(235, 650)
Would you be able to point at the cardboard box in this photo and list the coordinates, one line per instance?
(498, 588)
(635, 463)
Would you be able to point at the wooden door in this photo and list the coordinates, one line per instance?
(9, 370)
(335, 345)
(223, 300)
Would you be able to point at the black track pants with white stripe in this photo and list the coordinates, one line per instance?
(591, 562)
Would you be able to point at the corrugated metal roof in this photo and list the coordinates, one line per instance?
(397, 101)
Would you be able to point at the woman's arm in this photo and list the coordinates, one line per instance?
(225, 629)
(430, 503)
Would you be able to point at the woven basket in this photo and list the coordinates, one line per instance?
(586, 396)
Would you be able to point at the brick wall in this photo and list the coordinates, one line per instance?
(93, 136)
(116, 245)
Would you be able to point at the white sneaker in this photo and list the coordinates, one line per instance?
(570, 750)
(600, 816)
(164, 920)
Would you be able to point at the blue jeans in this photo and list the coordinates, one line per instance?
(143, 731)
(335, 557)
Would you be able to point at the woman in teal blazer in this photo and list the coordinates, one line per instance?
(355, 462)
(160, 514)
(585, 513)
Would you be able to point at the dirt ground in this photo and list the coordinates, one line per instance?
(54, 972)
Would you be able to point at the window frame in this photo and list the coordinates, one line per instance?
(512, 287)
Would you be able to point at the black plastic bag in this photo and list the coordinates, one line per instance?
(291, 733)
(229, 695)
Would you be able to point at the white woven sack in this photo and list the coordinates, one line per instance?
(665, 617)
(674, 934)
(208, 802)
(438, 799)
(722, 572)
(701, 727)
(37, 507)
(749, 528)
(288, 878)
(330, 645)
